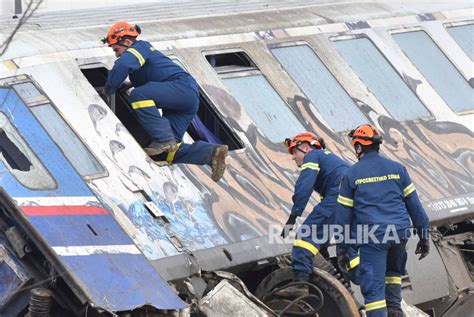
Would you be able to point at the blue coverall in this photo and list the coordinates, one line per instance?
(321, 171)
(375, 192)
(161, 83)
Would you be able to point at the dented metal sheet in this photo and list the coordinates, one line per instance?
(12, 274)
(84, 236)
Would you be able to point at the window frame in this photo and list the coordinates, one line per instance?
(245, 73)
(419, 28)
(206, 52)
(21, 79)
(448, 25)
(33, 153)
(212, 105)
(346, 37)
(313, 107)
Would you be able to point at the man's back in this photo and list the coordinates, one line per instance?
(378, 187)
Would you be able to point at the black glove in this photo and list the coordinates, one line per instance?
(288, 226)
(343, 261)
(423, 248)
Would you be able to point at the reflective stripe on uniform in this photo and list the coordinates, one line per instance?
(345, 201)
(354, 262)
(409, 189)
(310, 165)
(170, 156)
(375, 305)
(137, 54)
(306, 245)
(143, 104)
(393, 280)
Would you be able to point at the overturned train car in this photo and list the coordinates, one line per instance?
(97, 228)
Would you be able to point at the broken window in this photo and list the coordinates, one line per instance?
(206, 126)
(260, 100)
(228, 62)
(464, 36)
(437, 69)
(19, 159)
(320, 86)
(382, 79)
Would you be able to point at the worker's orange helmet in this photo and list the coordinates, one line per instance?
(118, 31)
(365, 134)
(307, 136)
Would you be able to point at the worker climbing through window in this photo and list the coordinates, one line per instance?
(377, 193)
(160, 83)
(321, 171)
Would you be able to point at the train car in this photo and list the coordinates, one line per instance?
(91, 226)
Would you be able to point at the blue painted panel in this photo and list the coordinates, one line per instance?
(437, 69)
(72, 230)
(264, 106)
(112, 281)
(320, 86)
(69, 182)
(144, 286)
(464, 36)
(384, 82)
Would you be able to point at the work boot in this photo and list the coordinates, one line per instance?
(395, 312)
(218, 162)
(155, 147)
(295, 291)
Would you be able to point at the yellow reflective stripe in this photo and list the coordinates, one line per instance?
(139, 56)
(345, 201)
(409, 189)
(375, 305)
(354, 262)
(170, 156)
(393, 280)
(306, 245)
(310, 165)
(143, 104)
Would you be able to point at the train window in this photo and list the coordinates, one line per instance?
(264, 106)
(437, 69)
(30, 95)
(253, 91)
(206, 126)
(19, 158)
(320, 86)
(464, 36)
(382, 79)
(233, 61)
(72, 147)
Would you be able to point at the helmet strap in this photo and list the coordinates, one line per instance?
(359, 150)
(302, 151)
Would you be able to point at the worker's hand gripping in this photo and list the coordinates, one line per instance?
(343, 261)
(423, 248)
(289, 225)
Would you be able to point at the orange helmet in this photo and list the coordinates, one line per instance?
(119, 30)
(365, 134)
(307, 136)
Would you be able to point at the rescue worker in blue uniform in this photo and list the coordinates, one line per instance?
(378, 193)
(160, 83)
(321, 171)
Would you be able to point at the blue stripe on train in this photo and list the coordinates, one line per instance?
(73, 230)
